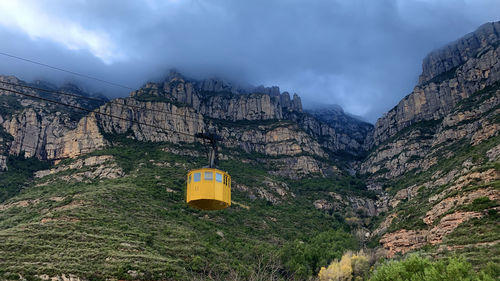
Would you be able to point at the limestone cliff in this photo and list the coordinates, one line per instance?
(449, 75)
(256, 120)
(460, 51)
(221, 101)
(36, 128)
(225, 102)
(422, 121)
(435, 155)
(349, 128)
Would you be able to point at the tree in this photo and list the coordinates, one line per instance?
(418, 268)
(350, 266)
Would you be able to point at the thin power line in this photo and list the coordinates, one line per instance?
(67, 71)
(94, 99)
(93, 111)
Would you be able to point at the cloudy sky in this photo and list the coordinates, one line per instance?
(362, 55)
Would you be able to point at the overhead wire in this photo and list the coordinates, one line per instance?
(94, 99)
(80, 96)
(85, 97)
(65, 70)
(96, 112)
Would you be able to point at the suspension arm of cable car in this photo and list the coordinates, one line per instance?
(209, 188)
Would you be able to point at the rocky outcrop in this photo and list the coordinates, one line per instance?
(257, 104)
(101, 167)
(403, 241)
(449, 76)
(296, 167)
(63, 277)
(85, 138)
(173, 111)
(445, 205)
(323, 204)
(33, 131)
(36, 128)
(404, 194)
(214, 100)
(447, 224)
(38, 134)
(342, 123)
(329, 137)
(150, 121)
(458, 52)
(417, 147)
(362, 206)
(270, 190)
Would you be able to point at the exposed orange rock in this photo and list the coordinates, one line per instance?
(448, 223)
(403, 241)
(448, 203)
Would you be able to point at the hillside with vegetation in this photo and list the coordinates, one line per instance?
(315, 194)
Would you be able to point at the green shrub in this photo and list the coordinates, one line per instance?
(304, 258)
(418, 268)
(480, 204)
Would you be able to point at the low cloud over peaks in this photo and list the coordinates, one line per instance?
(362, 55)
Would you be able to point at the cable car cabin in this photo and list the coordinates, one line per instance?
(208, 189)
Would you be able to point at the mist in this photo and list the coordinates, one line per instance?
(362, 55)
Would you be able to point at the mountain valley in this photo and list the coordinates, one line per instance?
(99, 194)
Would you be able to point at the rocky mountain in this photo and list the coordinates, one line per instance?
(177, 105)
(449, 75)
(342, 122)
(88, 196)
(435, 155)
(137, 150)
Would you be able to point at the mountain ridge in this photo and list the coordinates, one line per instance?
(307, 185)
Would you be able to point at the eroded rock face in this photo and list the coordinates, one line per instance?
(447, 224)
(403, 241)
(97, 167)
(455, 105)
(445, 214)
(476, 58)
(271, 191)
(459, 51)
(36, 134)
(342, 123)
(258, 104)
(44, 130)
(297, 167)
(176, 109)
(354, 204)
(220, 100)
(415, 144)
(448, 203)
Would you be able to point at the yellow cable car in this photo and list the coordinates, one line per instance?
(209, 188)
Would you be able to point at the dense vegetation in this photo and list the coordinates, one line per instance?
(138, 226)
(417, 268)
(20, 172)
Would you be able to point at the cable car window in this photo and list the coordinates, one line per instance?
(209, 176)
(218, 177)
(197, 177)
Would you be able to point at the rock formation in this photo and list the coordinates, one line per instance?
(449, 75)
(436, 148)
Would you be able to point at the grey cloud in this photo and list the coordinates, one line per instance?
(363, 55)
